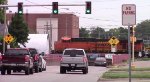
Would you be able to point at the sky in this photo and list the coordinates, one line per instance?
(106, 14)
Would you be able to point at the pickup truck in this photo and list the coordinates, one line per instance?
(17, 59)
(74, 59)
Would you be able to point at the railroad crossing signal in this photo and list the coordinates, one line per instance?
(88, 7)
(55, 7)
(8, 39)
(113, 41)
(20, 8)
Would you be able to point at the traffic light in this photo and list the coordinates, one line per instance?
(88, 7)
(20, 8)
(55, 7)
(132, 30)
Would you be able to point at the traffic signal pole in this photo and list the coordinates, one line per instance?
(5, 6)
(133, 40)
(42, 5)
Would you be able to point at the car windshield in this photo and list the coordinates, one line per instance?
(94, 56)
(74, 52)
(17, 52)
(33, 52)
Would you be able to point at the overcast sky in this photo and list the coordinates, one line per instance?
(105, 13)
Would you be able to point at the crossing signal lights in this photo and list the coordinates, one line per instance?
(20, 8)
(132, 30)
(55, 7)
(88, 7)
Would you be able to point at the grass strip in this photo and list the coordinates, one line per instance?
(143, 59)
(113, 75)
(126, 69)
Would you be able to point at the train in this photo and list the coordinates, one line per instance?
(94, 45)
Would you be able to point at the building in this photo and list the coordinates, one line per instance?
(62, 24)
(57, 26)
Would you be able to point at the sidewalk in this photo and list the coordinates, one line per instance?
(138, 64)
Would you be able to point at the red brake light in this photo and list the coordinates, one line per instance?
(36, 57)
(85, 59)
(26, 58)
(61, 59)
(0, 57)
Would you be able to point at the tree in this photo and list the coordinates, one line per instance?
(18, 29)
(120, 33)
(142, 30)
(97, 32)
(2, 11)
(83, 32)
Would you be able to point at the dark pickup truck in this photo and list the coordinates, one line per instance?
(17, 59)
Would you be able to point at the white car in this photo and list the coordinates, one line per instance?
(0, 60)
(43, 63)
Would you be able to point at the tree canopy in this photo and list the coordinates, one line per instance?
(2, 12)
(142, 31)
(18, 29)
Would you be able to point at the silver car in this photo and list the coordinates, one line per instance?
(74, 59)
(101, 61)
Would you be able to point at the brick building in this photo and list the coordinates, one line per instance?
(62, 24)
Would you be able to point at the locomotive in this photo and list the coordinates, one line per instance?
(94, 45)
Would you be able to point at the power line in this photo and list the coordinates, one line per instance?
(36, 4)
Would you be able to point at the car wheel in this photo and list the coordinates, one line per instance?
(40, 69)
(85, 71)
(3, 71)
(19, 70)
(14, 71)
(27, 71)
(36, 69)
(8, 71)
(31, 71)
(44, 69)
(62, 70)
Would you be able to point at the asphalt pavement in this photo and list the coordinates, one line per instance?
(52, 74)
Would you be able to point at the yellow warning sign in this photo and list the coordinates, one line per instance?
(8, 39)
(113, 41)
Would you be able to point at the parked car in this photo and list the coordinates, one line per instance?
(43, 61)
(17, 59)
(100, 61)
(74, 59)
(37, 60)
(92, 58)
(0, 61)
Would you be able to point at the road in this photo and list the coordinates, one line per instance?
(52, 75)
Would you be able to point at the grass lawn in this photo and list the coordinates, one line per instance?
(123, 73)
(143, 59)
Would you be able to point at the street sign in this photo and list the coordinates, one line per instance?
(113, 48)
(8, 39)
(113, 41)
(128, 14)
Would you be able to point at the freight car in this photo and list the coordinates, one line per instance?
(96, 45)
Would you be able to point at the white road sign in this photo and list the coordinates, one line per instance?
(128, 14)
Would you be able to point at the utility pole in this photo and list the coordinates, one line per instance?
(66, 25)
(50, 37)
(48, 27)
